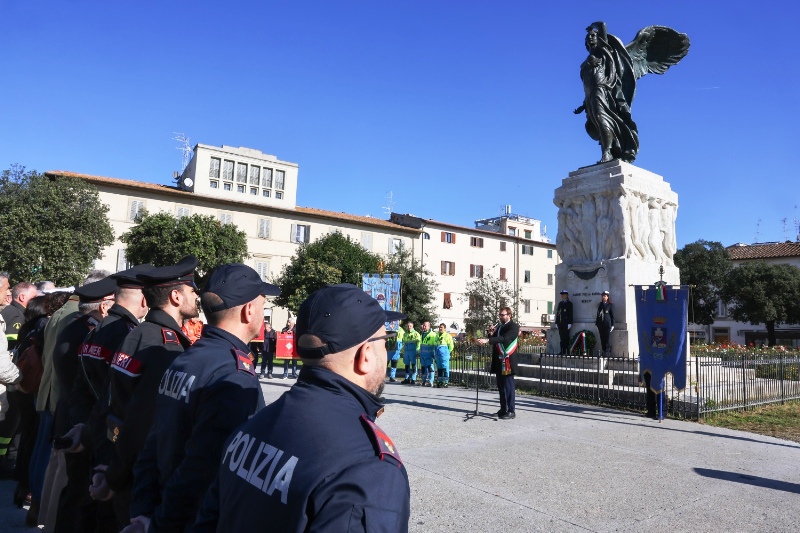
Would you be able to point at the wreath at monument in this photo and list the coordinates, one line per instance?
(576, 343)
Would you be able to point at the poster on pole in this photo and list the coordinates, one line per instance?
(385, 288)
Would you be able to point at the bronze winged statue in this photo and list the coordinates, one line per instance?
(609, 77)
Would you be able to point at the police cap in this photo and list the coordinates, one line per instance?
(236, 284)
(340, 317)
(564, 291)
(182, 272)
(97, 291)
(129, 278)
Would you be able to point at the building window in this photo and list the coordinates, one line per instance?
(227, 171)
(262, 267)
(528, 234)
(366, 241)
(476, 242)
(394, 245)
(300, 233)
(527, 249)
(512, 231)
(227, 186)
(476, 271)
(722, 310)
(265, 193)
(183, 211)
(278, 195)
(549, 279)
(135, 210)
(502, 246)
(280, 178)
(426, 236)
(264, 226)
(526, 306)
(549, 254)
(527, 277)
(241, 173)
(475, 302)
(255, 175)
(122, 260)
(240, 188)
(549, 308)
(213, 170)
(448, 237)
(213, 184)
(721, 335)
(448, 302)
(266, 177)
(225, 218)
(254, 191)
(448, 268)
(502, 274)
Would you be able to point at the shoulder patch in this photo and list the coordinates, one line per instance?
(170, 337)
(244, 361)
(383, 444)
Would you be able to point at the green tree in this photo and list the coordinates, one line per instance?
(762, 293)
(417, 286)
(162, 239)
(51, 229)
(484, 297)
(332, 258)
(704, 264)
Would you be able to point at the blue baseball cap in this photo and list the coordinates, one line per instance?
(237, 284)
(340, 316)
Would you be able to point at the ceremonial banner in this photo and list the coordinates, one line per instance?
(284, 346)
(386, 289)
(662, 315)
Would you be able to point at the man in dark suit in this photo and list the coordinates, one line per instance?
(564, 321)
(503, 338)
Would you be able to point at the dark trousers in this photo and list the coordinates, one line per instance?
(563, 332)
(651, 398)
(266, 362)
(29, 425)
(604, 332)
(77, 512)
(286, 367)
(505, 385)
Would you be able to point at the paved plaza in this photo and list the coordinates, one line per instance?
(567, 467)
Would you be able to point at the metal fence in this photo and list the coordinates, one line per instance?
(715, 382)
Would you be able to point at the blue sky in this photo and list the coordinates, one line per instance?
(457, 107)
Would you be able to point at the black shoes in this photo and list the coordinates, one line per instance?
(507, 416)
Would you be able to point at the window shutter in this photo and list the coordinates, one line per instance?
(503, 274)
(122, 260)
(293, 236)
(454, 238)
(452, 269)
(448, 303)
(443, 237)
(443, 270)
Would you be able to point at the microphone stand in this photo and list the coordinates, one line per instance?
(476, 413)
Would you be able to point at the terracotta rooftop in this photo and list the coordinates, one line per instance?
(765, 250)
(168, 189)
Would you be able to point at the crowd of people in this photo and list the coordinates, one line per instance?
(122, 412)
(420, 350)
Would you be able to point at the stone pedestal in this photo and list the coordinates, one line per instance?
(616, 227)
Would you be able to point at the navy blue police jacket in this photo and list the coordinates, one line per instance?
(206, 393)
(314, 460)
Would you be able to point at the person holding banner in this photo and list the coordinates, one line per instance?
(503, 337)
(289, 329)
(605, 321)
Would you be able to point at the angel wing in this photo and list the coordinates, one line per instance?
(655, 49)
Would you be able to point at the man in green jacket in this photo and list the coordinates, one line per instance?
(411, 342)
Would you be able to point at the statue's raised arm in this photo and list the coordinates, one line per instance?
(609, 77)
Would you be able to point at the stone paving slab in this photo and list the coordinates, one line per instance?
(568, 467)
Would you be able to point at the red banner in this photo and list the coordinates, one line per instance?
(284, 346)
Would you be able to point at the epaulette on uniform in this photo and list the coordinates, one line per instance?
(383, 444)
(170, 337)
(244, 361)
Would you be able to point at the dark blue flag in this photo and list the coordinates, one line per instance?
(662, 315)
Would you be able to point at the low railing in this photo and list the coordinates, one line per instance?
(715, 382)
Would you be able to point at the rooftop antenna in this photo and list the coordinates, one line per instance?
(758, 231)
(796, 224)
(783, 221)
(388, 209)
(185, 148)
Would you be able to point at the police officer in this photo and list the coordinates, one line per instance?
(76, 511)
(564, 321)
(315, 460)
(605, 321)
(122, 422)
(411, 342)
(206, 393)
